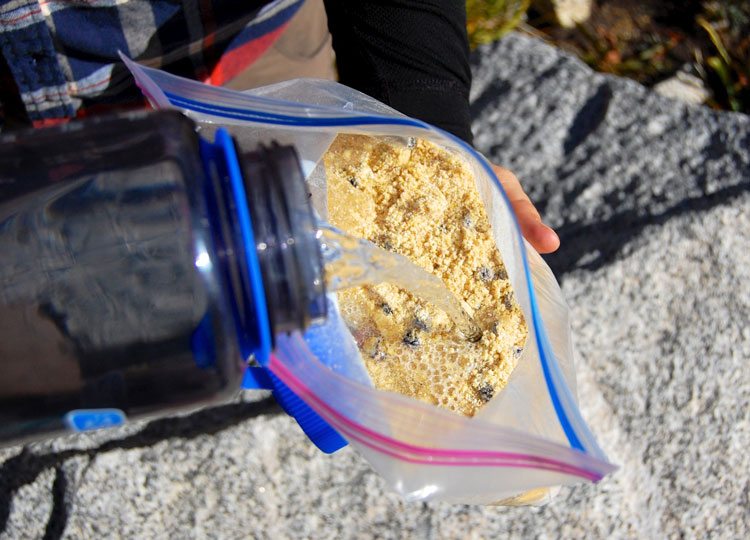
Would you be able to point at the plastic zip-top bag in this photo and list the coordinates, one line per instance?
(530, 436)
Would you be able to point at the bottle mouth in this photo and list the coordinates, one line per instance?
(286, 237)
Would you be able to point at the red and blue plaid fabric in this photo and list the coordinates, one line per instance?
(62, 55)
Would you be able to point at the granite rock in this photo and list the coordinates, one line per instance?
(602, 157)
(652, 200)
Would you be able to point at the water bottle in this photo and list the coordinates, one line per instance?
(142, 267)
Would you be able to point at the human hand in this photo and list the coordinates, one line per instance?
(539, 235)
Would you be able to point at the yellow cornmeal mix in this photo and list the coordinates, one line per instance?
(421, 201)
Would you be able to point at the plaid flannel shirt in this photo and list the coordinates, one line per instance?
(60, 57)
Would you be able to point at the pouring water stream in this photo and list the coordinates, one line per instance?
(351, 262)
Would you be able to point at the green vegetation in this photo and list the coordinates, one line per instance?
(645, 40)
(488, 20)
(727, 25)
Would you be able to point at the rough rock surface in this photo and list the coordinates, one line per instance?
(652, 200)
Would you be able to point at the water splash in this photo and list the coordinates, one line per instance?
(352, 262)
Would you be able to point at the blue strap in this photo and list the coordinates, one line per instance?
(256, 378)
(317, 430)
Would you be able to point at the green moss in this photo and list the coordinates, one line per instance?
(489, 20)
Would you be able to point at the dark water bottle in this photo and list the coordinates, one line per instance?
(142, 266)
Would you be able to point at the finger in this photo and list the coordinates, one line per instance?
(515, 191)
(539, 235)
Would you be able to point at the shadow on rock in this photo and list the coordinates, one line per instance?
(590, 246)
(24, 468)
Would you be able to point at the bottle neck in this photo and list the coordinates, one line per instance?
(266, 240)
(286, 237)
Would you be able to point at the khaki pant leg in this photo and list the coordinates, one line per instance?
(303, 50)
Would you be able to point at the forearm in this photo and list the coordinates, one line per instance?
(412, 55)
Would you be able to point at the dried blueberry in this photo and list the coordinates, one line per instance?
(384, 241)
(411, 338)
(486, 392)
(422, 321)
(486, 274)
(411, 208)
(508, 300)
(372, 348)
(467, 220)
(388, 310)
(353, 181)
